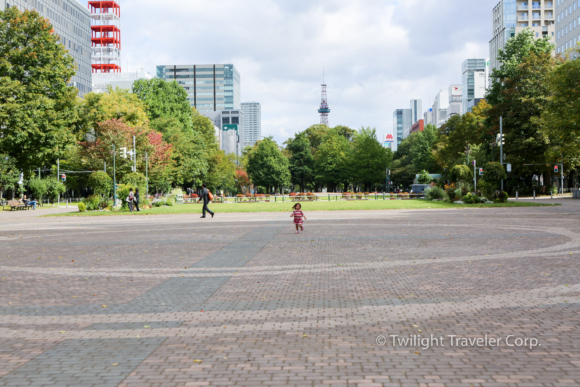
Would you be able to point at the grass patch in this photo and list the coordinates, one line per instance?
(306, 207)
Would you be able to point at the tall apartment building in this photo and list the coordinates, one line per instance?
(72, 23)
(209, 87)
(512, 16)
(401, 125)
(416, 110)
(567, 25)
(474, 80)
(252, 122)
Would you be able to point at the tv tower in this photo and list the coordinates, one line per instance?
(106, 36)
(324, 109)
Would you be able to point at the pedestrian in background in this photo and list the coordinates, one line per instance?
(130, 199)
(136, 200)
(206, 196)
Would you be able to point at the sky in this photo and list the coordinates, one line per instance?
(377, 55)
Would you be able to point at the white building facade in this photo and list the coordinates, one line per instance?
(102, 81)
(252, 122)
(474, 80)
(567, 25)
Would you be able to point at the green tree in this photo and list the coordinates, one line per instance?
(101, 183)
(9, 175)
(315, 134)
(301, 161)
(560, 121)
(39, 187)
(524, 99)
(267, 166)
(135, 180)
(461, 174)
(424, 177)
(515, 52)
(369, 159)
(492, 175)
(164, 100)
(115, 104)
(221, 172)
(457, 133)
(38, 107)
(331, 160)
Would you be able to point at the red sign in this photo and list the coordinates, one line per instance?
(389, 138)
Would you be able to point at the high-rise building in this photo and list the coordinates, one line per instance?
(72, 23)
(474, 80)
(512, 16)
(416, 110)
(252, 122)
(401, 125)
(567, 25)
(448, 102)
(209, 87)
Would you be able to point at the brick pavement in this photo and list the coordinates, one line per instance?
(241, 300)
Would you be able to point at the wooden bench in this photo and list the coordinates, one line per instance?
(178, 199)
(17, 205)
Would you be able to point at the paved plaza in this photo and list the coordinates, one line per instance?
(241, 300)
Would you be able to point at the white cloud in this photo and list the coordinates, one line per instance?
(378, 55)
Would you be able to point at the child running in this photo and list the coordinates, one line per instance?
(298, 215)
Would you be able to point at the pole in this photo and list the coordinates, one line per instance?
(57, 178)
(474, 176)
(134, 156)
(562, 176)
(105, 167)
(501, 146)
(114, 180)
(146, 176)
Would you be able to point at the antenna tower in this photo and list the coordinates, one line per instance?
(324, 109)
(106, 36)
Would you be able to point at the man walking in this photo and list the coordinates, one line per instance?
(136, 200)
(204, 195)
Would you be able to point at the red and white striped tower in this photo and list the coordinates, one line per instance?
(106, 36)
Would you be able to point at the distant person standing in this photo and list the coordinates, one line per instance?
(206, 196)
(136, 199)
(130, 199)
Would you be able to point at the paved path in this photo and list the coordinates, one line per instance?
(240, 300)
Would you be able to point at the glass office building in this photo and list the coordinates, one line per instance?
(402, 124)
(252, 122)
(474, 80)
(209, 87)
(72, 23)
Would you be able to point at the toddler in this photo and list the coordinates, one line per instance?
(298, 215)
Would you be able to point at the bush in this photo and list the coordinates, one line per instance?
(122, 193)
(158, 203)
(92, 202)
(82, 207)
(170, 201)
(502, 197)
(460, 173)
(468, 199)
(452, 193)
(54, 188)
(101, 183)
(176, 191)
(435, 193)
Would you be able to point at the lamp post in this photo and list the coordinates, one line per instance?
(114, 180)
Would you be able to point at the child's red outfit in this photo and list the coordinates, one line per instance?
(298, 215)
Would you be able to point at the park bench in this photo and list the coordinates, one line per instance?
(17, 205)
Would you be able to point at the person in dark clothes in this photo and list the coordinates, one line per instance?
(204, 195)
(136, 200)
